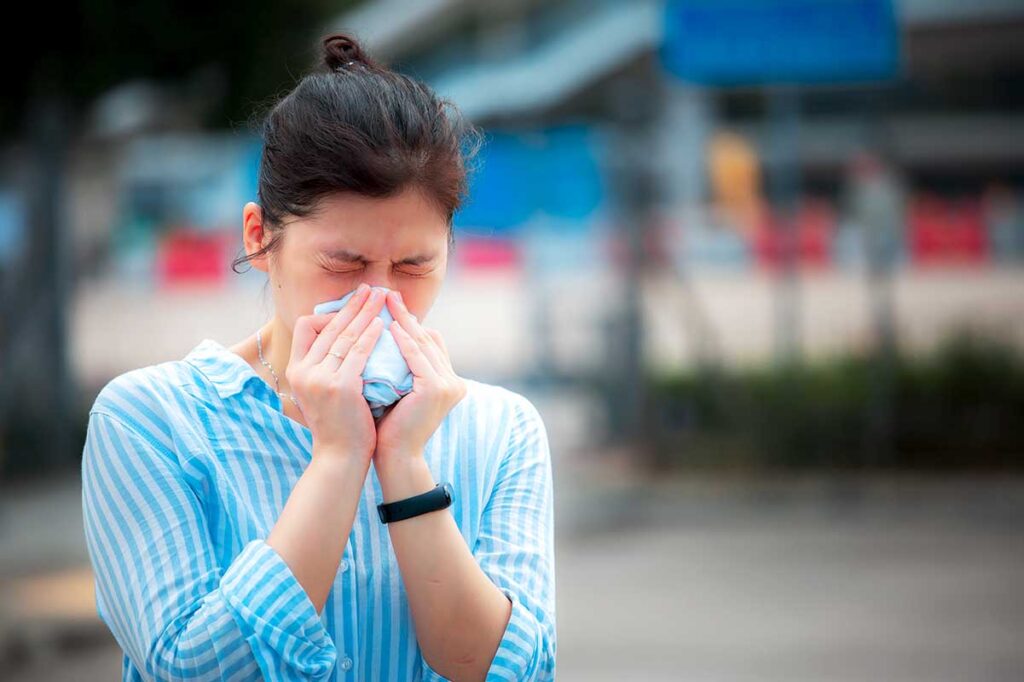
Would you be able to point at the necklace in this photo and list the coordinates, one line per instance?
(277, 382)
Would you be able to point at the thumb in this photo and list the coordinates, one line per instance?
(307, 328)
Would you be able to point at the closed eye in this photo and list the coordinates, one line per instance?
(414, 273)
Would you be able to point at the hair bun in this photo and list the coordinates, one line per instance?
(340, 49)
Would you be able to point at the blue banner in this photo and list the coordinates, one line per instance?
(746, 42)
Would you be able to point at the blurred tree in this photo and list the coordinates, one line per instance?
(259, 47)
(252, 50)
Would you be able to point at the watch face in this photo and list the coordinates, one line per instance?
(448, 491)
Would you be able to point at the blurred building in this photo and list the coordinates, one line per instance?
(952, 120)
(561, 88)
(592, 137)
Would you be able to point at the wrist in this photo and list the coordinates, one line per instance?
(386, 461)
(330, 464)
(403, 478)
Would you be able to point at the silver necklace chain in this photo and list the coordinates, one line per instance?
(277, 382)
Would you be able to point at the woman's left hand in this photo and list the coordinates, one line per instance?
(403, 431)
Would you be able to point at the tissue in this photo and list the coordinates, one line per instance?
(386, 377)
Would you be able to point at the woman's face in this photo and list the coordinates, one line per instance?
(399, 242)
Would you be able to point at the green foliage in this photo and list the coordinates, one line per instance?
(260, 47)
(960, 406)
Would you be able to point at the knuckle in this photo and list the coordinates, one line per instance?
(342, 387)
(347, 338)
(326, 378)
(294, 373)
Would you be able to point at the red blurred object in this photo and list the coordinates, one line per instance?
(947, 231)
(814, 230)
(187, 256)
(488, 253)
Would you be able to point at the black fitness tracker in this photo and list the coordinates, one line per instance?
(440, 497)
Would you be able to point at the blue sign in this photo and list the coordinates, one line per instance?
(552, 171)
(747, 42)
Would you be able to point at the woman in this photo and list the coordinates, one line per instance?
(231, 497)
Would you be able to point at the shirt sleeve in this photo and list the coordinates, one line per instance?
(515, 548)
(174, 611)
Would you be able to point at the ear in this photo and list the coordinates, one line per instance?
(254, 236)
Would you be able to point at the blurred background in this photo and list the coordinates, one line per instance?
(760, 265)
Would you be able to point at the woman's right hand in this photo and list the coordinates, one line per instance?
(329, 389)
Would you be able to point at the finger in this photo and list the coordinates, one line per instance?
(441, 347)
(323, 319)
(354, 363)
(398, 311)
(320, 321)
(307, 327)
(418, 362)
(438, 339)
(345, 340)
(302, 337)
(431, 350)
(414, 329)
(327, 322)
(356, 313)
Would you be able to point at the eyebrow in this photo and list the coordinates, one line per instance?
(346, 256)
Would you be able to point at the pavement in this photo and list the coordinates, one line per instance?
(800, 580)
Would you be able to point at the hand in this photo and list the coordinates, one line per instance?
(329, 389)
(410, 422)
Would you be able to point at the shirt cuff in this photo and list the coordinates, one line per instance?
(276, 615)
(516, 651)
(519, 645)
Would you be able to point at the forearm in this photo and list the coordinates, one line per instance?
(316, 522)
(176, 612)
(458, 612)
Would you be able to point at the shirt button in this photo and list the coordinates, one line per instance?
(344, 564)
(346, 663)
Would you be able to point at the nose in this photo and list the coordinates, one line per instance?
(383, 288)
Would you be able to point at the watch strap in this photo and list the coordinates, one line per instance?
(439, 497)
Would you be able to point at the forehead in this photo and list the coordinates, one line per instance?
(349, 225)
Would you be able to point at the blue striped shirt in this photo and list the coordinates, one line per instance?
(186, 467)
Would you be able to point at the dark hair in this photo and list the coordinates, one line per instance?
(354, 125)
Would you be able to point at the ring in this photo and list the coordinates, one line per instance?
(337, 355)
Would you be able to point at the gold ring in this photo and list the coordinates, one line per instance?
(337, 355)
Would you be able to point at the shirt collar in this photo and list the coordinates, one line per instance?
(227, 370)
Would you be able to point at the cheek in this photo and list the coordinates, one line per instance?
(419, 296)
(310, 285)
(330, 287)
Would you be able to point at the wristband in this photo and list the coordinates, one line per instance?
(440, 497)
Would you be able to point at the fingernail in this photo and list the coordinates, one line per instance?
(399, 295)
(363, 287)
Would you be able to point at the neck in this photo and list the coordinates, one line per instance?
(277, 349)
